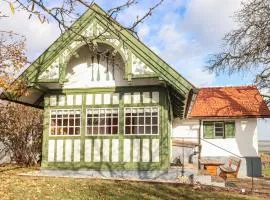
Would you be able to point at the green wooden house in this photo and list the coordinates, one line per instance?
(106, 107)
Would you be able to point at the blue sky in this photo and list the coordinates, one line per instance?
(182, 32)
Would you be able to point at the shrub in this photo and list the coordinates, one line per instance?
(21, 132)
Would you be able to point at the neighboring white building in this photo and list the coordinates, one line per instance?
(223, 121)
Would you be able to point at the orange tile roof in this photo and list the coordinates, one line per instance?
(242, 101)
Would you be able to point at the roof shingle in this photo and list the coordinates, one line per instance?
(241, 101)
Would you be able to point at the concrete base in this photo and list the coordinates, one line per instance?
(172, 175)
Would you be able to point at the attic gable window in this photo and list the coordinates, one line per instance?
(65, 122)
(218, 129)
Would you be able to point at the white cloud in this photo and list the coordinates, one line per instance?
(185, 39)
(143, 31)
(38, 36)
(182, 32)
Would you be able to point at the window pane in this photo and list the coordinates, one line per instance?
(108, 130)
(108, 121)
(71, 122)
(52, 131)
(219, 133)
(154, 129)
(59, 131)
(219, 129)
(77, 122)
(115, 130)
(128, 130)
(53, 122)
(59, 122)
(101, 130)
(154, 120)
(148, 130)
(128, 120)
(102, 122)
(141, 120)
(95, 130)
(71, 131)
(89, 130)
(65, 131)
(148, 120)
(65, 122)
(135, 130)
(89, 121)
(95, 122)
(141, 129)
(115, 121)
(77, 131)
(135, 121)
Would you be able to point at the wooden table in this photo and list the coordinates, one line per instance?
(211, 165)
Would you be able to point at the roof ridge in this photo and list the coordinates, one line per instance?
(237, 86)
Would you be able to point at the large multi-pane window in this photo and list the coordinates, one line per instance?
(102, 121)
(141, 120)
(65, 122)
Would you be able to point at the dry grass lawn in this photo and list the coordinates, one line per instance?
(14, 186)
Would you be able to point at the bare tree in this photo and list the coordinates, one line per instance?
(248, 46)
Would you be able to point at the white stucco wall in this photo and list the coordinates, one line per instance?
(82, 72)
(245, 142)
(264, 129)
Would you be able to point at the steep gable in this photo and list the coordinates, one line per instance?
(140, 61)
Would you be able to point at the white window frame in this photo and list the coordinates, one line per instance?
(223, 129)
(101, 108)
(74, 126)
(147, 107)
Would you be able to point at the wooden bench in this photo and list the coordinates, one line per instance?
(211, 165)
(230, 170)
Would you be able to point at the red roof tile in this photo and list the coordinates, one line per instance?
(242, 101)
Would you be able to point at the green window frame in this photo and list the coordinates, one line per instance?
(218, 129)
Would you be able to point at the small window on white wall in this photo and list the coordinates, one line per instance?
(65, 122)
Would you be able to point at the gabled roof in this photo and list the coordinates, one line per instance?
(242, 101)
(177, 84)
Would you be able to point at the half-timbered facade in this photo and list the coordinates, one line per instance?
(108, 106)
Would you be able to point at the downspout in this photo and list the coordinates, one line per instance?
(199, 137)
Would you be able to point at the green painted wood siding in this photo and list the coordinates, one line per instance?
(145, 143)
